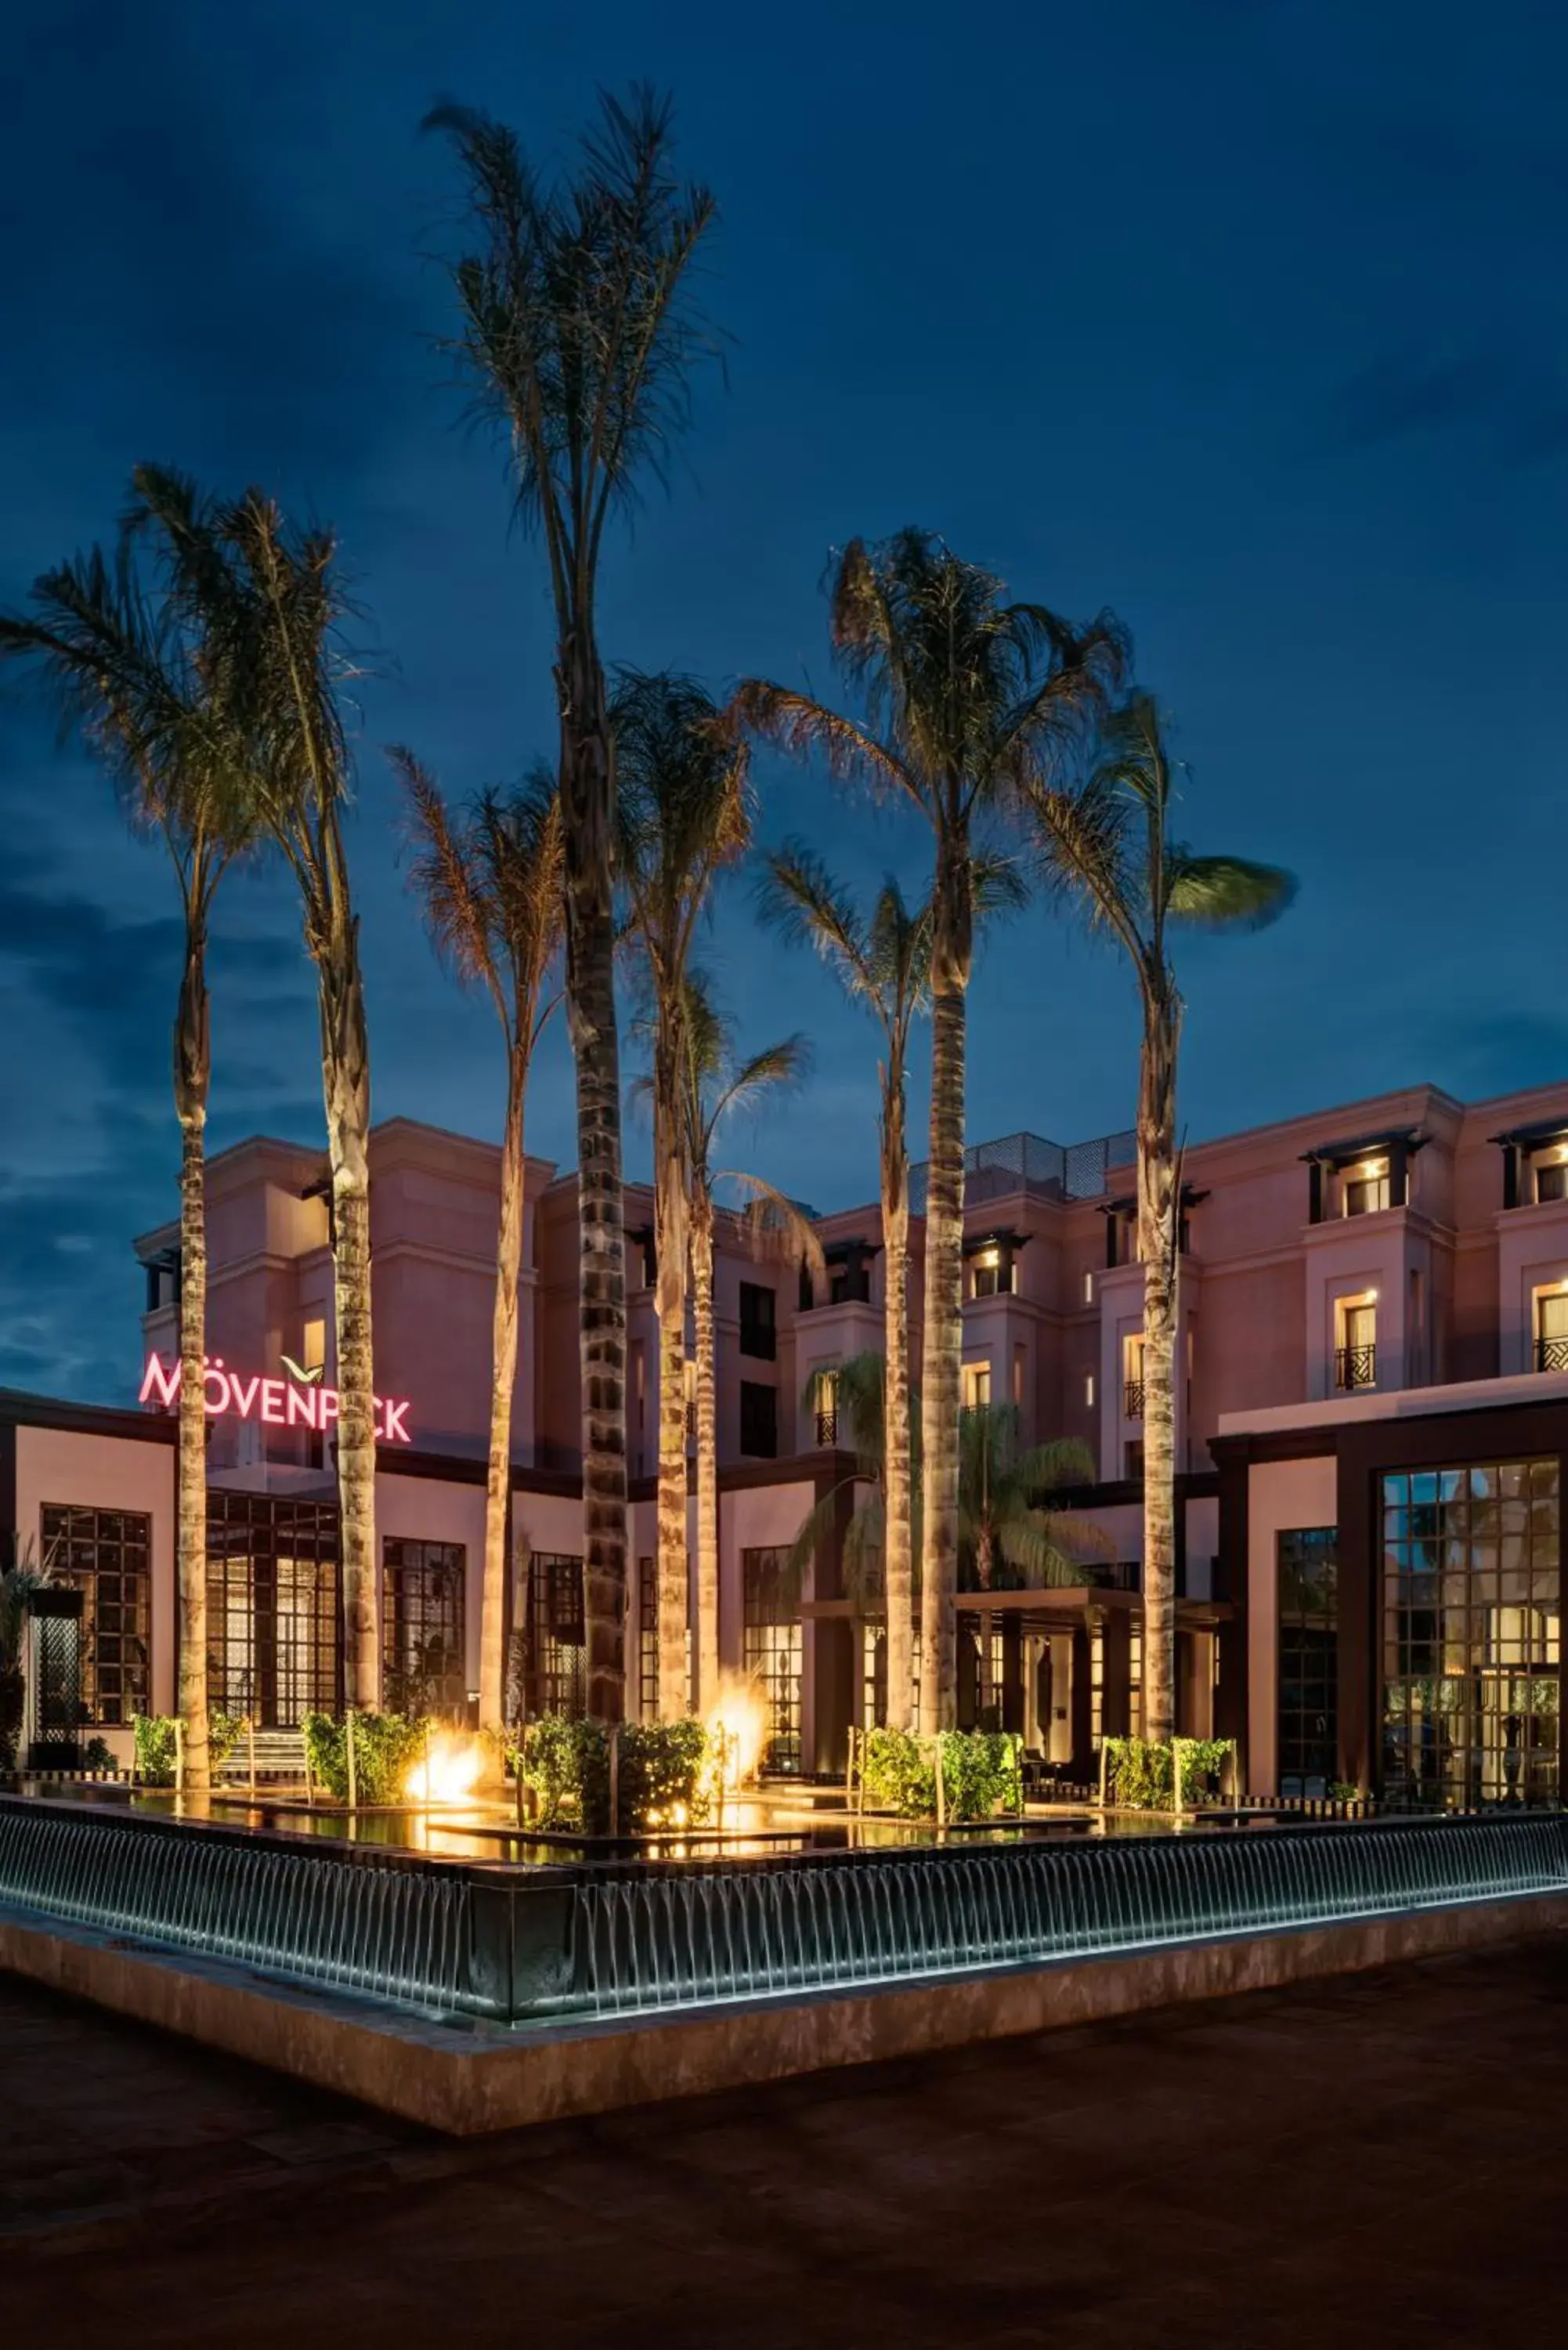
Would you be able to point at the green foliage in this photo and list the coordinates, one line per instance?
(385, 1747)
(98, 1755)
(660, 1768)
(1345, 1791)
(157, 1746)
(898, 1772)
(1140, 1775)
(980, 1773)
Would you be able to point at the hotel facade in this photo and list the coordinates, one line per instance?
(1372, 1426)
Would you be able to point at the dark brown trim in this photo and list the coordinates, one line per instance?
(9, 1529)
(19, 1409)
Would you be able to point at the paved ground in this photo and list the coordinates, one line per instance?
(1373, 2160)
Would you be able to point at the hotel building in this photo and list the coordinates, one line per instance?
(1372, 1419)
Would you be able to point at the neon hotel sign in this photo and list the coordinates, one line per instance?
(280, 1403)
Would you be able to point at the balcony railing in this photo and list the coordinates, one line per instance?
(1354, 1367)
(827, 1427)
(1132, 1400)
(1552, 1354)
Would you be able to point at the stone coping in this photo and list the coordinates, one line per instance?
(465, 2077)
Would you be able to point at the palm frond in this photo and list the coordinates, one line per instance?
(1220, 893)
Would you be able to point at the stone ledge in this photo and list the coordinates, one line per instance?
(465, 2078)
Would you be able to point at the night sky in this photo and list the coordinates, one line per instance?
(1244, 318)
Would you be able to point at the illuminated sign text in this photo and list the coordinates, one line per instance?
(281, 1403)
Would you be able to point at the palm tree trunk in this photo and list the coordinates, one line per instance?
(942, 1342)
(193, 1069)
(588, 801)
(345, 1081)
(707, 1690)
(670, 1241)
(985, 1569)
(1156, 1241)
(504, 1358)
(897, 1557)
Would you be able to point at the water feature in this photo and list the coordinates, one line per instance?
(528, 1944)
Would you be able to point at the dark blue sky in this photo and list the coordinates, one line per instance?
(1241, 316)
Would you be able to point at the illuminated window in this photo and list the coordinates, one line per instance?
(104, 1554)
(991, 1272)
(1355, 1342)
(772, 1649)
(1132, 1376)
(1551, 1327)
(976, 1385)
(1366, 1187)
(1471, 1647)
(1088, 1289)
(313, 1344)
(1551, 1177)
(423, 1626)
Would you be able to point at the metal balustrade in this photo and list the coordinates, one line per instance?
(1354, 1367)
(633, 1938)
(1552, 1354)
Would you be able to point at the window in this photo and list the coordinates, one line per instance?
(163, 1279)
(1355, 1348)
(1470, 1637)
(990, 1272)
(849, 1282)
(1089, 1390)
(313, 1344)
(1365, 1188)
(1132, 1376)
(1088, 1289)
(423, 1643)
(274, 1649)
(826, 1410)
(554, 1657)
(770, 1649)
(1551, 1177)
(1308, 1585)
(976, 1385)
(759, 1333)
(1132, 1460)
(759, 1420)
(1551, 1328)
(106, 1554)
(1020, 1374)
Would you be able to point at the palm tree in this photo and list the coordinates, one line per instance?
(145, 678)
(717, 1087)
(1109, 843)
(684, 812)
(882, 961)
(965, 698)
(578, 335)
(276, 606)
(490, 882)
(1009, 1534)
(1009, 1537)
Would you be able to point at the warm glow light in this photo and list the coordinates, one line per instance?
(738, 1725)
(990, 1258)
(448, 1771)
(1372, 1297)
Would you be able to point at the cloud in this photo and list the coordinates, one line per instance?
(1520, 410)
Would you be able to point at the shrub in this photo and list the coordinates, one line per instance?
(659, 1766)
(980, 1773)
(97, 1755)
(1140, 1776)
(385, 1746)
(157, 1746)
(898, 1772)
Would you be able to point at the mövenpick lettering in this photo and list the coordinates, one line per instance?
(281, 1403)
